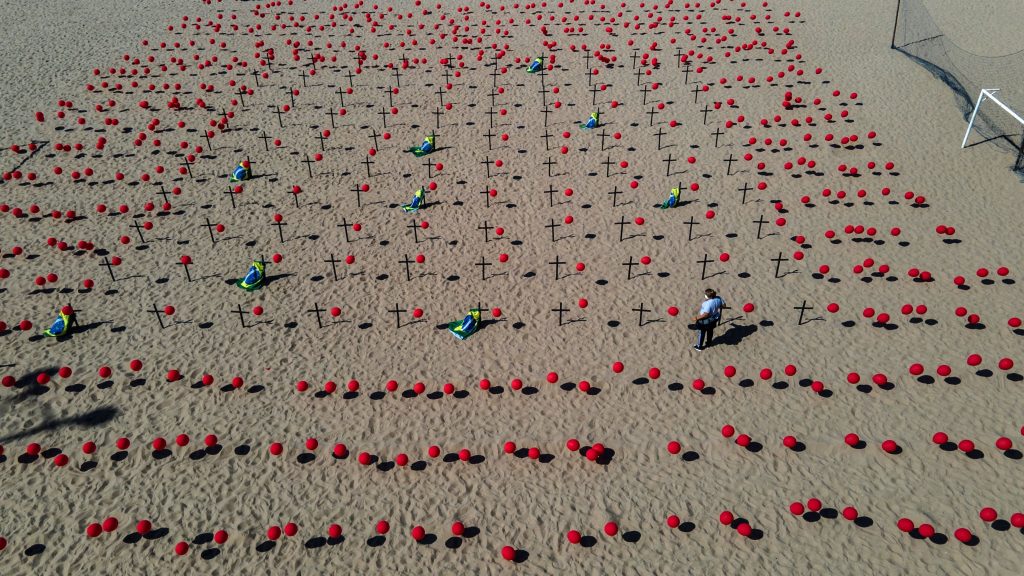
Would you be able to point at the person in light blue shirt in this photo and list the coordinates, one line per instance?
(708, 317)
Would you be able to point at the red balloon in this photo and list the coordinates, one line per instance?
(383, 527)
(726, 517)
(574, 536)
(728, 431)
(617, 367)
(334, 531)
(418, 533)
(93, 530)
(611, 528)
(458, 528)
(273, 533)
(181, 548)
(940, 438)
(905, 524)
(508, 553)
(220, 536)
(143, 527)
(674, 447)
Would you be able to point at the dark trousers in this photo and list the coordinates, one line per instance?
(705, 332)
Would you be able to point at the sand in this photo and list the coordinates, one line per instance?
(510, 500)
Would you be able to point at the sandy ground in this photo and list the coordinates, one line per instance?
(509, 500)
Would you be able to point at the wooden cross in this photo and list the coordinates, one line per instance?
(280, 227)
(341, 95)
(622, 223)
(553, 226)
(646, 89)
(639, 74)
(277, 110)
(490, 116)
(309, 161)
(302, 74)
(615, 195)
(661, 132)
(746, 188)
(374, 135)
(345, 225)
(728, 164)
(437, 118)
(210, 227)
(629, 268)
(391, 95)
(549, 163)
(652, 113)
(607, 162)
(138, 230)
(384, 115)
(316, 309)
(241, 315)
(760, 223)
(350, 76)
(359, 194)
(157, 312)
(561, 310)
(641, 310)
(440, 95)
(679, 56)
(668, 164)
(704, 266)
(415, 231)
(320, 136)
(334, 264)
(483, 264)
(330, 112)
(487, 230)
(636, 54)
(802, 308)
(547, 137)
(594, 90)
(686, 72)
(266, 141)
(551, 195)
(368, 163)
(487, 196)
(487, 165)
(408, 273)
(696, 91)
(778, 262)
(603, 135)
(716, 134)
(489, 135)
(705, 110)
(557, 263)
(398, 315)
(689, 228)
(430, 168)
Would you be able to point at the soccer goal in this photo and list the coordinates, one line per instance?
(989, 94)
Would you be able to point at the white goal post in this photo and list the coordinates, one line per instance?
(987, 94)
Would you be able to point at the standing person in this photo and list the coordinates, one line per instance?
(708, 317)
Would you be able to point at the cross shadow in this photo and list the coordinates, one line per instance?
(735, 334)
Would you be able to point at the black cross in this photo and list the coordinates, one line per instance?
(440, 95)
(188, 275)
(603, 135)
(704, 266)
(705, 111)
(384, 115)
(746, 188)
(368, 163)
(490, 116)
(110, 268)
(391, 95)
(802, 308)
(551, 195)
(489, 135)
(760, 223)
(138, 230)
(668, 164)
(607, 162)
(778, 262)
(291, 94)
(334, 264)
(302, 74)
(437, 118)
(256, 74)
(188, 166)
(430, 168)
(345, 225)
(341, 95)
(312, 60)
(646, 89)
(689, 230)
(398, 76)
(547, 138)
(398, 315)
(487, 164)
(487, 231)
(309, 161)
(209, 144)
(359, 195)
(641, 311)
(549, 163)
(295, 196)
(561, 310)
(316, 309)
(696, 91)
(652, 113)
(661, 132)
(686, 72)
(622, 223)
(266, 141)
(320, 136)
(374, 135)
(679, 56)
(594, 90)
(241, 315)
(415, 231)
(553, 226)
(636, 54)
(629, 268)
(406, 261)
(157, 312)
(728, 164)
(447, 76)
(716, 134)
(350, 76)
(277, 110)
(330, 112)
(241, 95)
(639, 74)
(487, 196)
(494, 95)
(163, 192)
(545, 111)
(209, 227)
(615, 195)
(557, 263)
(483, 264)
(280, 227)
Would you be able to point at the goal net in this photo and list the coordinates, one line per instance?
(917, 35)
